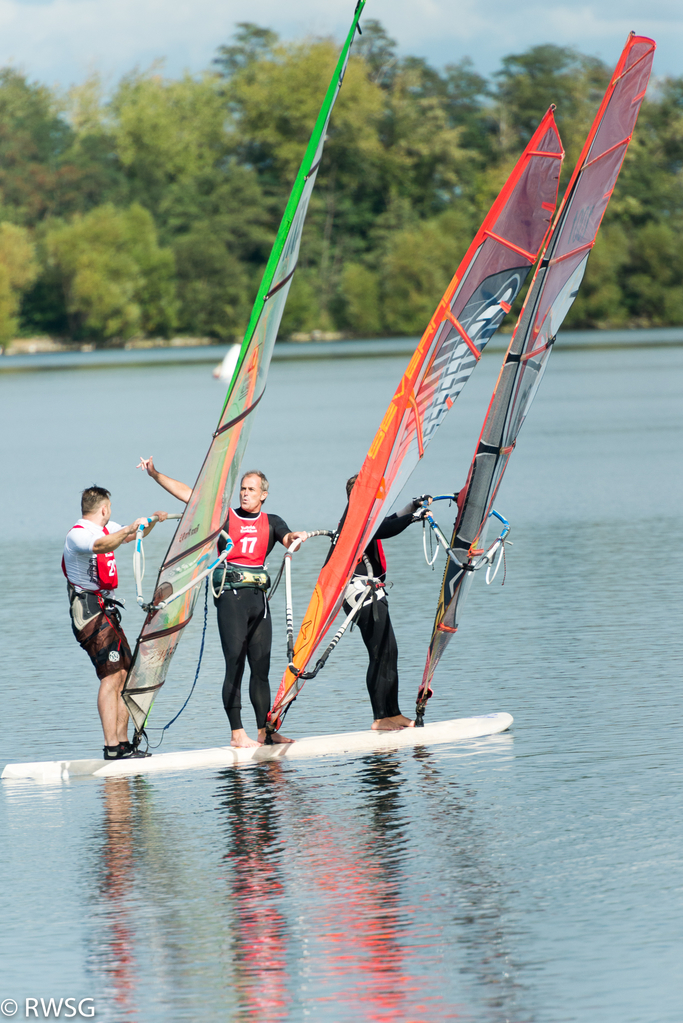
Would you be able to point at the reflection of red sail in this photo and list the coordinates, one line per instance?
(260, 947)
(552, 292)
(359, 927)
(480, 294)
(359, 949)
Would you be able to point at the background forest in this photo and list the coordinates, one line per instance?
(152, 211)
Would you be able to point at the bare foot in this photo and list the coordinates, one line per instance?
(403, 720)
(386, 725)
(241, 740)
(275, 736)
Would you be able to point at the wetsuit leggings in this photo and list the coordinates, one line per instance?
(246, 633)
(382, 676)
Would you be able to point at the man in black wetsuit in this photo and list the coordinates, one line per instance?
(374, 622)
(244, 622)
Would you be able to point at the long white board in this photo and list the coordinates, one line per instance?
(225, 756)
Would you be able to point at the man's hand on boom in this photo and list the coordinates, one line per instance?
(289, 538)
(111, 541)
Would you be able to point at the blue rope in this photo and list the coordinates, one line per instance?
(199, 664)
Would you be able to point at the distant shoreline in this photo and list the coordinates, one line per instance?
(44, 353)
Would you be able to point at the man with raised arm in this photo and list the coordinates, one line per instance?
(373, 619)
(90, 569)
(244, 622)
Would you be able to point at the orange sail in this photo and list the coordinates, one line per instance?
(550, 296)
(482, 291)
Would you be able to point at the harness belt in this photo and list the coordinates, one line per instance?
(356, 588)
(239, 578)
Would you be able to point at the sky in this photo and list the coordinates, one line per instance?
(59, 42)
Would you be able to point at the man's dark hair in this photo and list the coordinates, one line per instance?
(92, 498)
(261, 476)
(349, 484)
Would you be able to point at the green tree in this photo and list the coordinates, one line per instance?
(18, 270)
(213, 285)
(529, 82)
(601, 301)
(653, 281)
(360, 293)
(418, 264)
(304, 310)
(116, 280)
(167, 133)
(251, 43)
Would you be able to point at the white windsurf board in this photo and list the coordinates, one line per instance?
(226, 756)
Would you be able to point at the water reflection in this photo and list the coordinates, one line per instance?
(470, 888)
(250, 810)
(114, 958)
(333, 894)
(352, 891)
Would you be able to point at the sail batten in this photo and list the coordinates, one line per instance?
(483, 289)
(550, 296)
(208, 505)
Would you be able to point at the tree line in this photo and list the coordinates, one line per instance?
(152, 211)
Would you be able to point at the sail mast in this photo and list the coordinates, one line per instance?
(193, 545)
(551, 294)
(484, 287)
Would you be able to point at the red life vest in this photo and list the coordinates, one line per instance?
(107, 576)
(381, 556)
(250, 537)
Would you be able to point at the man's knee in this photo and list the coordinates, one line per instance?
(113, 682)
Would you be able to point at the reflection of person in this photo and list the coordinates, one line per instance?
(374, 622)
(249, 802)
(120, 836)
(244, 623)
(90, 568)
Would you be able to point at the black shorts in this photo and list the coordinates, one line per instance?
(97, 627)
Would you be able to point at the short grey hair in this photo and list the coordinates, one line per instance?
(261, 476)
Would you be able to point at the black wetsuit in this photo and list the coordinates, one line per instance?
(375, 624)
(246, 633)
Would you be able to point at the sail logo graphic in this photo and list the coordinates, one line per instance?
(481, 318)
(484, 312)
(189, 532)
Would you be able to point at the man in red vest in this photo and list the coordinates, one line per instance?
(244, 622)
(90, 569)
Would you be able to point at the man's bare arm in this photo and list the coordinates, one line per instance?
(111, 541)
(174, 487)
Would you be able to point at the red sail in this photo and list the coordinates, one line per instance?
(484, 287)
(552, 292)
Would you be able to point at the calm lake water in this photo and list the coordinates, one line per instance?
(533, 877)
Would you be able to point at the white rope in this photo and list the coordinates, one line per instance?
(492, 570)
(139, 554)
(424, 544)
(222, 585)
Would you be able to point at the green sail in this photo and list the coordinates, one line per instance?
(194, 544)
